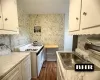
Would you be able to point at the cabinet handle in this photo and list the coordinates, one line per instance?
(77, 18)
(6, 19)
(0, 16)
(84, 13)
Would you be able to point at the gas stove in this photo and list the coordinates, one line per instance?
(31, 49)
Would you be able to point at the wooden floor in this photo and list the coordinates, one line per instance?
(48, 71)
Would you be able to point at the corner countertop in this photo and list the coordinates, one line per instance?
(8, 62)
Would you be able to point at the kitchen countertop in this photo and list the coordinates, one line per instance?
(8, 62)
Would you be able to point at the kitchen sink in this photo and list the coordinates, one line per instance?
(70, 59)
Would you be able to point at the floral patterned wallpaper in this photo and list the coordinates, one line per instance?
(52, 29)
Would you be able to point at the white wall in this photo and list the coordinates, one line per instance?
(68, 39)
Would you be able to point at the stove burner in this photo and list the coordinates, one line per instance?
(31, 49)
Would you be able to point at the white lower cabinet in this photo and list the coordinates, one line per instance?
(37, 60)
(21, 72)
(15, 74)
(40, 60)
(26, 69)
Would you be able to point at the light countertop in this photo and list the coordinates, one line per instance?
(8, 62)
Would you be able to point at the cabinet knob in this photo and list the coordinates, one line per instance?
(77, 18)
(6, 19)
(84, 13)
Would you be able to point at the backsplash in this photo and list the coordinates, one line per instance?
(52, 29)
(22, 38)
(83, 39)
(94, 56)
(5, 39)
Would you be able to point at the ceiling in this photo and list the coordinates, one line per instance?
(44, 6)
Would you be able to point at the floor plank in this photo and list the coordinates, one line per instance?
(48, 71)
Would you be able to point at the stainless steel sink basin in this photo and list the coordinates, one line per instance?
(70, 59)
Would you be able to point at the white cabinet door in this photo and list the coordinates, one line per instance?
(39, 62)
(26, 69)
(10, 17)
(15, 74)
(92, 75)
(42, 56)
(74, 15)
(90, 16)
(1, 18)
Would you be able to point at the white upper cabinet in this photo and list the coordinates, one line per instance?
(15, 74)
(26, 69)
(90, 14)
(1, 19)
(9, 11)
(89, 17)
(9, 17)
(74, 16)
